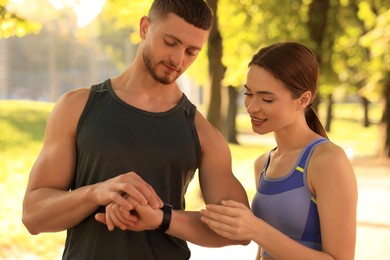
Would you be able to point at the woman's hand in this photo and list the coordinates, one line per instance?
(232, 220)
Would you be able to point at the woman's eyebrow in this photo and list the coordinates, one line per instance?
(264, 92)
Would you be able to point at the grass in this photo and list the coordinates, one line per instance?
(21, 133)
(22, 126)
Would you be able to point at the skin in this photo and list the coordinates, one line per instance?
(272, 109)
(148, 84)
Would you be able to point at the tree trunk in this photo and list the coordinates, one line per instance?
(329, 113)
(318, 19)
(216, 70)
(231, 131)
(386, 117)
(365, 103)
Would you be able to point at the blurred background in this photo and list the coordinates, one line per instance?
(48, 47)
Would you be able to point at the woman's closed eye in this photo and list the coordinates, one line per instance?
(267, 100)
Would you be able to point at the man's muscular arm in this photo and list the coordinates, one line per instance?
(49, 205)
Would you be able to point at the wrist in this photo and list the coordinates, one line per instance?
(166, 219)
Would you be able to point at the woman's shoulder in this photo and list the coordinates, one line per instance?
(329, 161)
(328, 151)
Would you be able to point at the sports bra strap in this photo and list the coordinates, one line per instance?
(308, 150)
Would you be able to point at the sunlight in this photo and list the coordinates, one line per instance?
(85, 10)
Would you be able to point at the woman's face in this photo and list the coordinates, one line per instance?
(268, 102)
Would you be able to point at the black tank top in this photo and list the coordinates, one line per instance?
(113, 138)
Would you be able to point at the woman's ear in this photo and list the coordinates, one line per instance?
(305, 99)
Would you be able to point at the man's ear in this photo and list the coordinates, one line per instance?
(305, 99)
(144, 27)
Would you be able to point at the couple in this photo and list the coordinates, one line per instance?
(118, 157)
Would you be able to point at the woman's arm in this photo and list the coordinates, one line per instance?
(335, 187)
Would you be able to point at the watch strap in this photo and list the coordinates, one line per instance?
(166, 221)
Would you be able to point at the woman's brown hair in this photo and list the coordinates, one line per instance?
(297, 67)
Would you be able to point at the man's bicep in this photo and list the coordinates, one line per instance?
(216, 177)
(54, 167)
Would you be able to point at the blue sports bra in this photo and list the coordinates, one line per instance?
(287, 204)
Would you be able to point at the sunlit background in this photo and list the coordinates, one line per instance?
(48, 47)
(85, 10)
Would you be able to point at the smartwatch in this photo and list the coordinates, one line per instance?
(166, 221)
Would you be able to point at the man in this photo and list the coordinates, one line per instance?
(132, 143)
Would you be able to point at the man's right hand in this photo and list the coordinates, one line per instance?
(121, 195)
(127, 191)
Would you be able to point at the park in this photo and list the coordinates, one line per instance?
(44, 56)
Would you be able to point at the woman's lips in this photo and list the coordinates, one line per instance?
(257, 121)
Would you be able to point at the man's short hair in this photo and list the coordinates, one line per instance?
(195, 12)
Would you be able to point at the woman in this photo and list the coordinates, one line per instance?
(305, 204)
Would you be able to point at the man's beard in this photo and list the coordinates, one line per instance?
(148, 61)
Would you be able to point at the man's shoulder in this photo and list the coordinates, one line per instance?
(208, 133)
(72, 102)
(75, 96)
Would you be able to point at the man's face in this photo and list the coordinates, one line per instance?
(170, 46)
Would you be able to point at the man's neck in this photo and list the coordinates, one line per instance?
(139, 89)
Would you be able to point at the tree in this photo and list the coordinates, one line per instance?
(377, 39)
(360, 55)
(331, 28)
(12, 24)
(246, 26)
(216, 69)
(348, 59)
(317, 25)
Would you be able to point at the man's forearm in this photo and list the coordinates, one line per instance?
(51, 210)
(187, 225)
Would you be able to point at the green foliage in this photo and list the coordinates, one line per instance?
(246, 26)
(358, 28)
(123, 16)
(119, 29)
(14, 25)
(22, 122)
(354, 52)
(377, 41)
(22, 126)
(126, 14)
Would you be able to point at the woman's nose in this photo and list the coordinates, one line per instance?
(253, 105)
